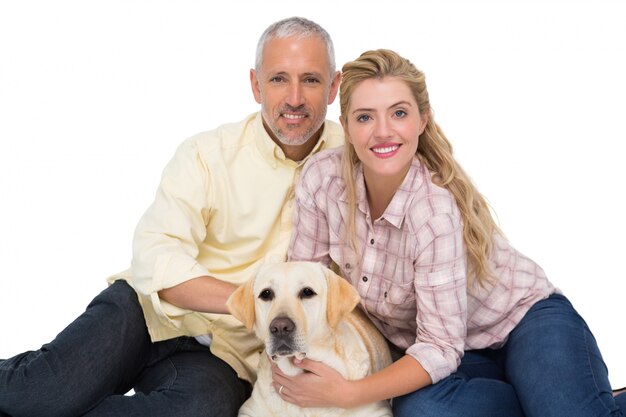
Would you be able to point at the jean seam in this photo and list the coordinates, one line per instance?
(586, 334)
(593, 375)
(181, 342)
(171, 384)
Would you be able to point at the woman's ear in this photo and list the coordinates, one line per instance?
(424, 118)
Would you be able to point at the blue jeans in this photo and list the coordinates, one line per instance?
(550, 366)
(89, 366)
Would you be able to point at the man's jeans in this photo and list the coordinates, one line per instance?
(549, 367)
(104, 353)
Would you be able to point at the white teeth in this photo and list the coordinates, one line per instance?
(386, 149)
(293, 116)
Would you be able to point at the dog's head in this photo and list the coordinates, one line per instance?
(291, 304)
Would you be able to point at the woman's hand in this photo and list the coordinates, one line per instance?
(318, 386)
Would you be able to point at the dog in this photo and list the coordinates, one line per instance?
(302, 309)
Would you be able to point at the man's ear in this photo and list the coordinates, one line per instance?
(241, 304)
(254, 83)
(341, 298)
(334, 87)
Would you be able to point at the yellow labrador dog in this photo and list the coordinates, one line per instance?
(303, 309)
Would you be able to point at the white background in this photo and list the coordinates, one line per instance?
(96, 95)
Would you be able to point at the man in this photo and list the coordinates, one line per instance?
(223, 207)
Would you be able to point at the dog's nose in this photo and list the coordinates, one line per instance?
(282, 326)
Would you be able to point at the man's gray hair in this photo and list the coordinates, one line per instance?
(299, 27)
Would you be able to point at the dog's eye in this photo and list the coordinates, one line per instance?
(266, 295)
(307, 293)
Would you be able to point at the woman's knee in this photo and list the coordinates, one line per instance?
(551, 328)
(554, 310)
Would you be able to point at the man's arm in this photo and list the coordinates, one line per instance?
(167, 238)
(204, 294)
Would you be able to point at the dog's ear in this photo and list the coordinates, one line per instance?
(341, 298)
(241, 304)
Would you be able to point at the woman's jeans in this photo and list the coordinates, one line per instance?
(549, 367)
(89, 366)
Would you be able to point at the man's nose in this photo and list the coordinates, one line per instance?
(295, 97)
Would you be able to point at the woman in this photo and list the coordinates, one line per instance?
(479, 329)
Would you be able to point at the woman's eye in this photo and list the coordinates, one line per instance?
(363, 118)
(399, 113)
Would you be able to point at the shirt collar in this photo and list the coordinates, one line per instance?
(272, 152)
(399, 206)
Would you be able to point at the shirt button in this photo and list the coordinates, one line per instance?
(364, 279)
(372, 241)
(348, 266)
(385, 294)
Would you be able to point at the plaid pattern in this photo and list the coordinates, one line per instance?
(411, 271)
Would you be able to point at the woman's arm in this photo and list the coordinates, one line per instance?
(322, 386)
(441, 314)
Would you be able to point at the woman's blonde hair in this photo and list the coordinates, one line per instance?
(434, 150)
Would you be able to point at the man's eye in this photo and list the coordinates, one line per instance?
(312, 81)
(307, 293)
(266, 295)
(277, 79)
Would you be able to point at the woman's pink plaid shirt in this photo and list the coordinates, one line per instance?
(411, 272)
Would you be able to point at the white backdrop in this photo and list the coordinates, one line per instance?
(96, 95)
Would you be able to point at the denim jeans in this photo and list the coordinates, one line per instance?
(91, 364)
(549, 367)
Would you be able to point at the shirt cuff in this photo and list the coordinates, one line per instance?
(437, 363)
(171, 270)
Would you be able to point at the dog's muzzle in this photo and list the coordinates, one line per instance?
(282, 331)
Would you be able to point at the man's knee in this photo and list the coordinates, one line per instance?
(118, 307)
(120, 294)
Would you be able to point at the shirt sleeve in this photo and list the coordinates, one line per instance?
(167, 238)
(440, 287)
(310, 237)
